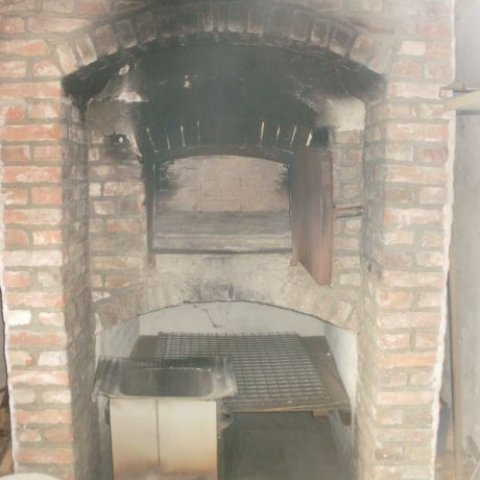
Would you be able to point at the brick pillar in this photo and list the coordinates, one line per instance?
(49, 344)
(408, 175)
(118, 232)
(34, 294)
(79, 321)
(347, 148)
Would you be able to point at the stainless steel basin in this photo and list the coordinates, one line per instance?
(205, 378)
(163, 416)
(145, 381)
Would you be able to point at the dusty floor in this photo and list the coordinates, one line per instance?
(6, 465)
(280, 446)
(293, 446)
(445, 468)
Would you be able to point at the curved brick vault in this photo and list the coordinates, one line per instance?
(240, 22)
(243, 22)
(264, 279)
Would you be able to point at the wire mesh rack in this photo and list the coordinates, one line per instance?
(273, 372)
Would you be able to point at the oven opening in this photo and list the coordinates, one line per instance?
(226, 200)
(259, 384)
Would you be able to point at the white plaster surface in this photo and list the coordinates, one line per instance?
(343, 345)
(118, 341)
(467, 38)
(467, 241)
(466, 215)
(229, 317)
(345, 114)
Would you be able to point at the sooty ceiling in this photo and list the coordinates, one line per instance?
(227, 94)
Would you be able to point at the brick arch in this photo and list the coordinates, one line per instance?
(242, 22)
(263, 279)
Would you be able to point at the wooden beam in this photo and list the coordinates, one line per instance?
(467, 101)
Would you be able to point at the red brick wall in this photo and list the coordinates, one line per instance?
(347, 150)
(49, 331)
(118, 239)
(407, 174)
(47, 303)
(79, 323)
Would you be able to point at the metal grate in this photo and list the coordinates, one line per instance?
(273, 372)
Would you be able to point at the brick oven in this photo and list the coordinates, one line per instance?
(162, 154)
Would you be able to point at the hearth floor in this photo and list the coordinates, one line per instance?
(280, 446)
